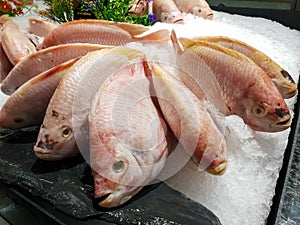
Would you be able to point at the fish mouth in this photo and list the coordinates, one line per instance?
(103, 201)
(179, 21)
(209, 16)
(282, 124)
(292, 91)
(111, 199)
(219, 170)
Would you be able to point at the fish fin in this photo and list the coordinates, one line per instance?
(133, 29)
(186, 43)
(177, 46)
(160, 35)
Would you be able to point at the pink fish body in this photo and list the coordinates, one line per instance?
(40, 27)
(64, 131)
(246, 88)
(127, 138)
(94, 32)
(190, 122)
(196, 7)
(27, 106)
(166, 11)
(280, 77)
(43, 60)
(15, 43)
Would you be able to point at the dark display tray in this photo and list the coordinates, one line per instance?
(61, 192)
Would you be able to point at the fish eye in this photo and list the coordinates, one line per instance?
(66, 132)
(199, 10)
(260, 111)
(118, 166)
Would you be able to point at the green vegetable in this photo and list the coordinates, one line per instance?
(117, 10)
(60, 10)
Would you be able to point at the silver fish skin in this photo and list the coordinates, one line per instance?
(247, 90)
(40, 27)
(27, 106)
(65, 124)
(127, 137)
(43, 60)
(166, 11)
(15, 43)
(196, 7)
(190, 122)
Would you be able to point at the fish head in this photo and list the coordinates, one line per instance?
(171, 17)
(266, 112)
(202, 11)
(55, 142)
(120, 175)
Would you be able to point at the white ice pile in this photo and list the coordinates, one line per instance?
(243, 195)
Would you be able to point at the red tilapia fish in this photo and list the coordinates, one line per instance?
(27, 106)
(64, 130)
(280, 77)
(15, 43)
(190, 122)
(43, 60)
(40, 27)
(196, 7)
(166, 11)
(247, 90)
(100, 32)
(127, 138)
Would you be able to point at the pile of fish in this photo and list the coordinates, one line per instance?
(121, 110)
(170, 11)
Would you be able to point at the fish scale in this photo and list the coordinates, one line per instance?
(116, 139)
(72, 101)
(27, 106)
(248, 91)
(43, 60)
(281, 78)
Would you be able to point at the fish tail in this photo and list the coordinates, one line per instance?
(161, 35)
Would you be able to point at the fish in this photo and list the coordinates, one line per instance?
(166, 11)
(128, 146)
(100, 32)
(198, 8)
(138, 7)
(15, 43)
(40, 27)
(27, 106)
(64, 131)
(43, 60)
(4, 18)
(5, 64)
(190, 122)
(280, 77)
(247, 90)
